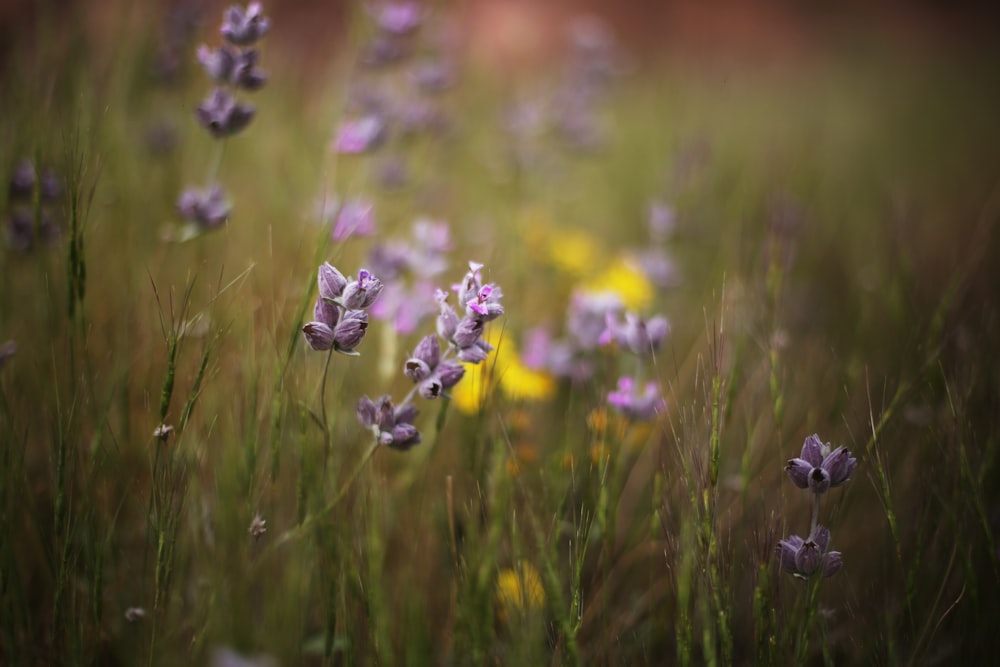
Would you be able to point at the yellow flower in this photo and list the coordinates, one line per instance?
(627, 281)
(574, 252)
(519, 590)
(524, 384)
(468, 395)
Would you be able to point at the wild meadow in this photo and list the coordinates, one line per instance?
(407, 357)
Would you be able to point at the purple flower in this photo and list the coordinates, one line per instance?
(640, 407)
(360, 135)
(475, 353)
(640, 336)
(319, 336)
(355, 218)
(819, 469)
(350, 331)
(661, 221)
(468, 289)
(331, 282)
(244, 27)
(217, 63)
(447, 321)
(433, 76)
(425, 359)
(363, 292)
(22, 181)
(426, 368)
(7, 351)
(222, 115)
(245, 72)
(586, 320)
(486, 303)
(391, 426)
(803, 558)
(208, 208)
(398, 17)
(468, 331)
(326, 312)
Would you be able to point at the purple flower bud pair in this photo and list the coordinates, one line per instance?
(353, 294)
(330, 330)
(640, 407)
(243, 27)
(222, 115)
(391, 425)
(208, 208)
(819, 469)
(225, 65)
(642, 337)
(803, 558)
(426, 368)
(486, 303)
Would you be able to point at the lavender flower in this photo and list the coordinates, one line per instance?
(350, 331)
(398, 18)
(587, 318)
(245, 73)
(217, 63)
(222, 115)
(340, 321)
(391, 426)
(22, 181)
(319, 335)
(433, 76)
(640, 407)
(426, 368)
(819, 469)
(331, 282)
(208, 209)
(363, 292)
(244, 27)
(803, 558)
(7, 351)
(642, 337)
(360, 135)
(354, 219)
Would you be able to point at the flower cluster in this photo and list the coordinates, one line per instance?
(340, 314)
(409, 269)
(571, 112)
(482, 304)
(435, 368)
(232, 67)
(818, 468)
(34, 200)
(394, 95)
(392, 426)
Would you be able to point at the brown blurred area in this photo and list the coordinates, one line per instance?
(521, 33)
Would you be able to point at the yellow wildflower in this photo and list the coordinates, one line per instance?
(519, 590)
(627, 281)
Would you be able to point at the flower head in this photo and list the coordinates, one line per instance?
(642, 337)
(208, 208)
(819, 469)
(638, 406)
(398, 17)
(243, 27)
(391, 425)
(363, 292)
(222, 115)
(803, 558)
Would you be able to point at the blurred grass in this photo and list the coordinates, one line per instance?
(837, 233)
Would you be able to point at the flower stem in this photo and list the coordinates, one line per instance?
(815, 516)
